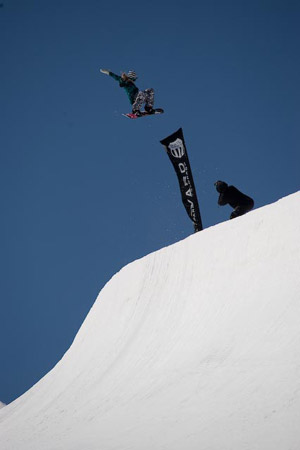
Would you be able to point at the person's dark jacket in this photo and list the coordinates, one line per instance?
(128, 85)
(232, 196)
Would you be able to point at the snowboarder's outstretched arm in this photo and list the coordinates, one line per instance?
(113, 75)
(125, 81)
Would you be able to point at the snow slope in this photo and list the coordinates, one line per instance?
(196, 346)
(2, 405)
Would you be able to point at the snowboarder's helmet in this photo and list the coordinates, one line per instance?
(221, 186)
(132, 75)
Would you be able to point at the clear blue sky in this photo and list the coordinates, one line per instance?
(84, 190)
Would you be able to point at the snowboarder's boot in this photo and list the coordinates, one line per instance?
(149, 109)
(137, 112)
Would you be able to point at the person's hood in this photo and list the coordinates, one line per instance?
(221, 186)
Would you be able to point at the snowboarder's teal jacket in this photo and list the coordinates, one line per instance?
(129, 86)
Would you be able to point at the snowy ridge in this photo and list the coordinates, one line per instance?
(2, 405)
(196, 346)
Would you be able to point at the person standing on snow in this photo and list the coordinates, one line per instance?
(235, 198)
(136, 97)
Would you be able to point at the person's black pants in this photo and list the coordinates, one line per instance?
(241, 209)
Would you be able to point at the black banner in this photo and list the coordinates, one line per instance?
(176, 150)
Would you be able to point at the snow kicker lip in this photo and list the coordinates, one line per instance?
(198, 336)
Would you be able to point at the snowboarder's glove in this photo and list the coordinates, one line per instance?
(104, 71)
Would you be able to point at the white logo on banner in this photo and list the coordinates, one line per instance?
(177, 148)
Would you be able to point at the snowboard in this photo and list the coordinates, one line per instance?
(143, 114)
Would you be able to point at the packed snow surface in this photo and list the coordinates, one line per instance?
(195, 346)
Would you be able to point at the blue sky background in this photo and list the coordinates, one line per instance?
(84, 190)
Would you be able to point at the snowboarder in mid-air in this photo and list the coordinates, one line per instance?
(136, 97)
(236, 199)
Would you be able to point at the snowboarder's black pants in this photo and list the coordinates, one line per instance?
(242, 209)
